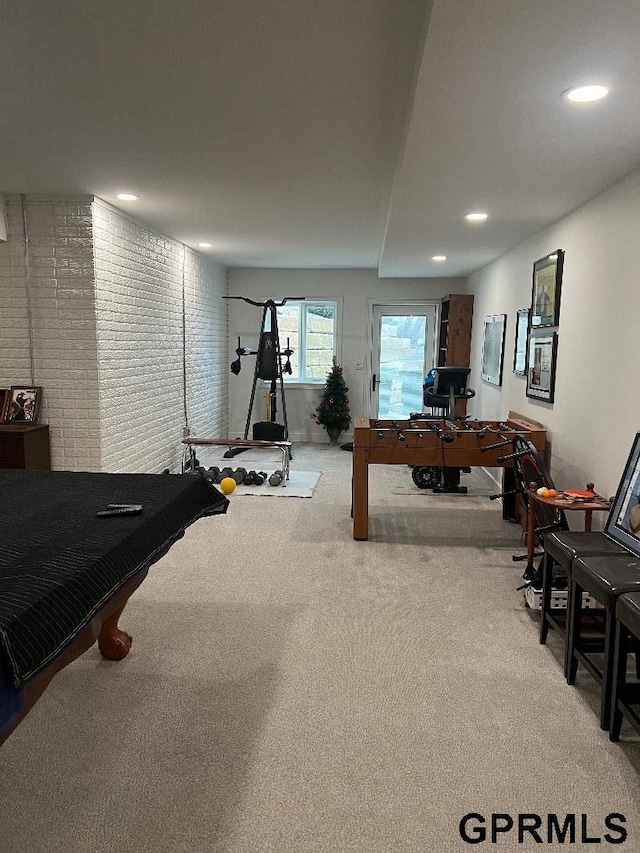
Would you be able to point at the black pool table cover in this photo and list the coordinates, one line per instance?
(60, 563)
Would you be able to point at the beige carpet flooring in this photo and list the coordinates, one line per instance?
(290, 689)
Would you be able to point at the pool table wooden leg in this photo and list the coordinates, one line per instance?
(113, 642)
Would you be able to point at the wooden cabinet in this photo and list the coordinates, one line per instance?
(454, 341)
(25, 446)
(454, 338)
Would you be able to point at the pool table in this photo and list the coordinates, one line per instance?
(67, 573)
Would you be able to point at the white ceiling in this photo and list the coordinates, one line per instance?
(323, 133)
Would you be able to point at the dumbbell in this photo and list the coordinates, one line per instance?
(238, 475)
(216, 473)
(255, 478)
(226, 472)
(276, 478)
(207, 475)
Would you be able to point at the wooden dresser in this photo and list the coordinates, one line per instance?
(25, 446)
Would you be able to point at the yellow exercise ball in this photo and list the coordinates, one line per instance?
(228, 485)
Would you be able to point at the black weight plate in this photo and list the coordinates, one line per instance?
(426, 476)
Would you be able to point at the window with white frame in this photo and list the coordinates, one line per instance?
(311, 328)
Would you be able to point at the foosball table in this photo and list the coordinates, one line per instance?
(442, 442)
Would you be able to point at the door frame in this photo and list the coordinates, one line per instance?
(374, 303)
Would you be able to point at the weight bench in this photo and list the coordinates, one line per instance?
(192, 442)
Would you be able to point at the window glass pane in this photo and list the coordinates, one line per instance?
(320, 340)
(310, 327)
(289, 327)
(402, 340)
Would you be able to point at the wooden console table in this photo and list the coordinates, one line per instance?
(430, 441)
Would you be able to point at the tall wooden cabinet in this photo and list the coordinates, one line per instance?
(454, 339)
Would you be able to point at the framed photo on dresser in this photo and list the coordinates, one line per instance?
(23, 404)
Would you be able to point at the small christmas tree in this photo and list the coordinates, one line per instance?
(333, 410)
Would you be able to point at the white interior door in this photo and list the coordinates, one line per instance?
(403, 352)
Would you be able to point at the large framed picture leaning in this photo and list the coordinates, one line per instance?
(545, 294)
(623, 523)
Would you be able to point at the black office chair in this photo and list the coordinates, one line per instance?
(449, 386)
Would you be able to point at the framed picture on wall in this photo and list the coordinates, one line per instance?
(23, 404)
(623, 523)
(541, 365)
(545, 295)
(520, 348)
(4, 399)
(493, 348)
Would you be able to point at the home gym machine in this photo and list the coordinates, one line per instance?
(449, 386)
(269, 367)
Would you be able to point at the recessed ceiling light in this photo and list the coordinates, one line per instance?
(439, 259)
(584, 94)
(127, 197)
(205, 245)
(476, 217)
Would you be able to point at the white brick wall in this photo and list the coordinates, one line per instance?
(207, 347)
(63, 321)
(107, 301)
(15, 364)
(139, 303)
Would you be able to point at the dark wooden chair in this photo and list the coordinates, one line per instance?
(561, 548)
(625, 695)
(606, 578)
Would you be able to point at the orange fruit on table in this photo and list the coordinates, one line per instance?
(552, 493)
